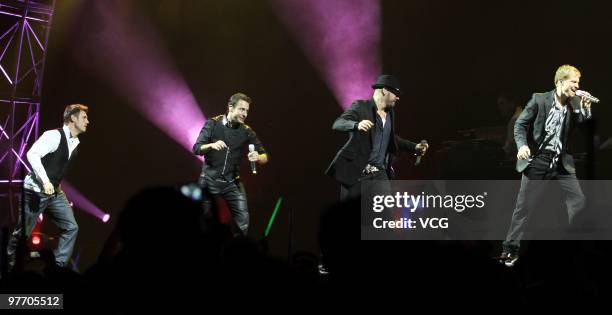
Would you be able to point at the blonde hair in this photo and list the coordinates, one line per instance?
(564, 72)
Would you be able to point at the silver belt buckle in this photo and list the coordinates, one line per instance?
(369, 169)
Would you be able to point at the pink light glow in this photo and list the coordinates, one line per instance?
(341, 38)
(125, 52)
(81, 202)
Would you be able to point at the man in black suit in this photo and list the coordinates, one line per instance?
(541, 133)
(372, 144)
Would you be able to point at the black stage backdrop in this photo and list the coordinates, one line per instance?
(453, 58)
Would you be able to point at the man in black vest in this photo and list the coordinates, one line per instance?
(372, 144)
(223, 141)
(50, 157)
(541, 133)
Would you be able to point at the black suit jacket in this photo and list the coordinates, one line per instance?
(529, 128)
(352, 158)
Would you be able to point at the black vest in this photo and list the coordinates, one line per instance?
(56, 163)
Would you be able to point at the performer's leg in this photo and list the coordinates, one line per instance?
(209, 210)
(531, 187)
(34, 204)
(382, 185)
(344, 192)
(60, 211)
(519, 219)
(236, 199)
(574, 198)
(350, 192)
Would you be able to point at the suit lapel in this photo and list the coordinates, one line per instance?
(392, 141)
(547, 106)
(548, 102)
(372, 118)
(568, 117)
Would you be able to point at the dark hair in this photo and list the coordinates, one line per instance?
(238, 97)
(73, 109)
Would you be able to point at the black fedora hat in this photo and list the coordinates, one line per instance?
(389, 82)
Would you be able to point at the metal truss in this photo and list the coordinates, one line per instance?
(24, 34)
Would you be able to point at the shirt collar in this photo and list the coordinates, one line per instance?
(228, 124)
(68, 134)
(563, 108)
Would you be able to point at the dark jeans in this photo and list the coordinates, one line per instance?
(531, 188)
(354, 191)
(235, 196)
(55, 207)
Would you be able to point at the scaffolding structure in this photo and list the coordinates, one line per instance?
(24, 34)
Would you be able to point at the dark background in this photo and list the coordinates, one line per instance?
(453, 59)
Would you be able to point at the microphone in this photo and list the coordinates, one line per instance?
(419, 154)
(587, 96)
(253, 168)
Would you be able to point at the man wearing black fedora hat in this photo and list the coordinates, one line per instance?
(372, 143)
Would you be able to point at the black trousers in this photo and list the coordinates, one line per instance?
(354, 191)
(532, 187)
(233, 193)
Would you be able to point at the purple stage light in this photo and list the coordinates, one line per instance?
(121, 47)
(105, 218)
(81, 202)
(341, 38)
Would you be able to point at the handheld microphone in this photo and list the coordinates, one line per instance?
(587, 96)
(253, 168)
(419, 155)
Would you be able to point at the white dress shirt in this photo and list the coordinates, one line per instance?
(47, 143)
